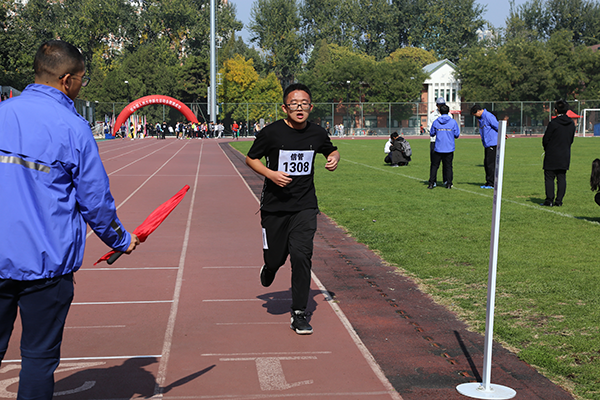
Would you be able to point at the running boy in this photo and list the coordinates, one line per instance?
(289, 203)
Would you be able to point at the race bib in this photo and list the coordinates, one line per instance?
(296, 162)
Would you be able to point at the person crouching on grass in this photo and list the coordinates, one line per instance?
(289, 203)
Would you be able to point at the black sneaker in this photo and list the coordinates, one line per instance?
(431, 186)
(448, 186)
(547, 204)
(266, 276)
(300, 324)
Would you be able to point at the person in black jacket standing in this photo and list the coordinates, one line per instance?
(557, 142)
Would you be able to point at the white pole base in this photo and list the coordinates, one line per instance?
(477, 391)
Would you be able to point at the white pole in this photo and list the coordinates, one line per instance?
(485, 389)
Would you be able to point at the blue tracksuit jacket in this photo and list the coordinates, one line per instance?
(52, 183)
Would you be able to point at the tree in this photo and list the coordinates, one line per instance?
(275, 27)
(17, 47)
(420, 56)
(331, 20)
(242, 84)
(447, 27)
(89, 24)
(540, 19)
(373, 21)
(486, 75)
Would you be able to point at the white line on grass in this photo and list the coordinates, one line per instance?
(161, 375)
(539, 208)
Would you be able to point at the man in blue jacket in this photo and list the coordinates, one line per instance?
(488, 129)
(53, 183)
(445, 130)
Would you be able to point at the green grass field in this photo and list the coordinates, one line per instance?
(548, 286)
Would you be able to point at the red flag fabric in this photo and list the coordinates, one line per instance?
(153, 220)
(10, 96)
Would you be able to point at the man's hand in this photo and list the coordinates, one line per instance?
(332, 161)
(280, 178)
(134, 242)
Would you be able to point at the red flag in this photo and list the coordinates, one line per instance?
(10, 94)
(152, 221)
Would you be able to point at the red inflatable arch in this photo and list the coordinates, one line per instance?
(154, 99)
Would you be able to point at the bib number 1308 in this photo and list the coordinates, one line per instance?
(296, 162)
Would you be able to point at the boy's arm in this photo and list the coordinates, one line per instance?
(278, 177)
(332, 160)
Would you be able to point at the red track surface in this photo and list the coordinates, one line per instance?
(185, 316)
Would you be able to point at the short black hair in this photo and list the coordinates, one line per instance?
(296, 86)
(475, 109)
(394, 135)
(57, 57)
(444, 109)
(561, 106)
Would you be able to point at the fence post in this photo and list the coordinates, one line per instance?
(521, 118)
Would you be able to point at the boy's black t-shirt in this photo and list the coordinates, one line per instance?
(292, 151)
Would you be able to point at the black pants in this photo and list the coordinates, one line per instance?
(561, 185)
(293, 234)
(43, 306)
(489, 163)
(446, 159)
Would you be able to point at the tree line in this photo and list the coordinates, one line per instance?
(346, 50)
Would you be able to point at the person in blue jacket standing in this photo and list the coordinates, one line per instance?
(53, 183)
(445, 130)
(488, 129)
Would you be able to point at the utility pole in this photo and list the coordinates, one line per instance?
(212, 101)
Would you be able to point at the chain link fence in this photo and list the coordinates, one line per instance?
(364, 119)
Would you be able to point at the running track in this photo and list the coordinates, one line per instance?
(185, 317)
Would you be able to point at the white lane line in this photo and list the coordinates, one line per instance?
(324, 395)
(146, 181)
(267, 354)
(139, 159)
(95, 358)
(129, 152)
(536, 207)
(357, 341)
(161, 375)
(249, 267)
(338, 311)
(252, 323)
(227, 300)
(127, 269)
(111, 303)
(96, 327)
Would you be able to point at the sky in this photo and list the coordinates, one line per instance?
(496, 13)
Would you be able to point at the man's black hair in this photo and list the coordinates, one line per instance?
(444, 109)
(57, 57)
(394, 135)
(561, 107)
(475, 109)
(293, 87)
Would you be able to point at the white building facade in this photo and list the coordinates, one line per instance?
(441, 83)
